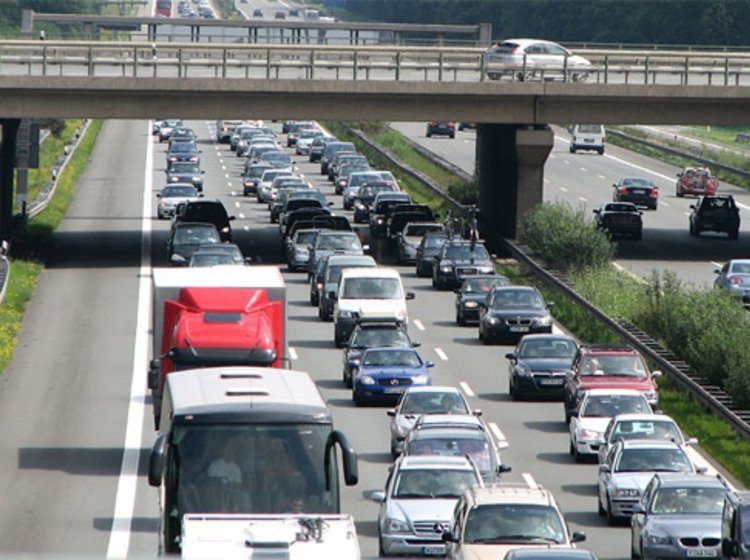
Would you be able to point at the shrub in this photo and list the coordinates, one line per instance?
(564, 238)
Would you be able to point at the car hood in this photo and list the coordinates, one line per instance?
(596, 424)
(392, 371)
(495, 551)
(632, 479)
(422, 510)
(175, 200)
(464, 262)
(547, 364)
(185, 175)
(520, 313)
(615, 382)
(374, 308)
(687, 525)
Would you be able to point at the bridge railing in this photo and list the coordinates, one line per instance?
(442, 64)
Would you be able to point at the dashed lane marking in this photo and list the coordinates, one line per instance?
(443, 355)
(583, 169)
(418, 324)
(293, 354)
(466, 389)
(498, 433)
(236, 204)
(529, 480)
(563, 189)
(600, 177)
(583, 199)
(242, 216)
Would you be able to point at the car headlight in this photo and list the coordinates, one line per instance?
(523, 370)
(471, 304)
(365, 380)
(650, 395)
(626, 492)
(493, 320)
(301, 252)
(446, 268)
(659, 539)
(345, 314)
(420, 379)
(380, 221)
(163, 205)
(396, 526)
(486, 270)
(226, 229)
(589, 434)
(354, 362)
(199, 178)
(194, 159)
(172, 158)
(547, 320)
(174, 179)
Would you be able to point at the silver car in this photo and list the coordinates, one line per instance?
(172, 195)
(734, 278)
(416, 401)
(297, 251)
(418, 502)
(628, 468)
(408, 239)
(679, 516)
(534, 59)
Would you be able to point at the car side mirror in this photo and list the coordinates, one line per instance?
(577, 536)
(330, 203)
(429, 364)
(477, 412)
(638, 508)
(332, 295)
(511, 356)
(409, 295)
(178, 260)
(365, 248)
(503, 468)
(605, 469)
(232, 218)
(391, 412)
(550, 304)
(416, 344)
(596, 211)
(656, 373)
(614, 185)
(457, 291)
(203, 172)
(158, 195)
(716, 271)
(200, 195)
(692, 206)
(701, 469)
(378, 497)
(248, 260)
(691, 441)
(449, 537)
(502, 445)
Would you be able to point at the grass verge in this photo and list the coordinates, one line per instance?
(49, 151)
(31, 246)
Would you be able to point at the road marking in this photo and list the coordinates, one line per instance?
(687, 213)
(583, 169)
(630, 273)
(566, 162)
(466, 389)
(236, 204)
(557, 330)
(443, 355)
(233, 193)
(418, 324)
(221, 161)
(119, 536)
(246, 228)
(600, 177)
(497, 432)
(226, 175)
(583, 199)
(229, 183)
(223, 168)
(546, 181)
(717, 264)
(242, 216)
(665, 204)
(529, 480)
(563, 189)
(293, 354)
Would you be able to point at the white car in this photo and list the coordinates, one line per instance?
(266, 180)
(534, 59)
(593, 414)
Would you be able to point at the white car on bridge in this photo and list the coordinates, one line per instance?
(534, 59)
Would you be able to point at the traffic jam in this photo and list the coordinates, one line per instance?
(238, 472)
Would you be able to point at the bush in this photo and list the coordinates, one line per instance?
(465, 192)
(564, 239)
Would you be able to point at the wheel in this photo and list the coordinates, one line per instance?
(487, 339)
(654, 207)
(429, 135)
(453, 135)
(692, 230)
(601, 151)
(577, 457)
(381, 550)
(633, 553)
(734, 234)
(460, 318)
(513, 390)
(571, 448)
(357, 399)
(599, 504)
(638, 235)
(394, 453)
(679, 193)
(571, 149)
(610, 518)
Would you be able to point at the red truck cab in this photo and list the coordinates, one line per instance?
(696, 181)
(606, 366)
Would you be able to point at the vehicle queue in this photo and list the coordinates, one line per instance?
(381, 361)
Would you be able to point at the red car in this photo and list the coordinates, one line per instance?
(696, 181)
(608, 366)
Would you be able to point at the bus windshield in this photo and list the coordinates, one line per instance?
(252, 468)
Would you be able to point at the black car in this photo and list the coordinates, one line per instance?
(402, 214)
(317, 147)
(620, 218)
(410, 237)
(538, 364)
(365, 203)
(251, 177)
(715, 213)
(639, 191)
(509, 312)
(186, 237)
(375, 334)
(209, 211)
(441, 128)
(428, 250)
(459, 259)
(472, 294)
(185, 172)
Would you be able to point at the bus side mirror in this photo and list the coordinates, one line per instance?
(348, 455)
(156, 461)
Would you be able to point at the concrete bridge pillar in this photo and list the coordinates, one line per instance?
(510, 176)
(7, 168)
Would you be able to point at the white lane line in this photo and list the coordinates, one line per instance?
(583, 199)
(226, 175)
(546, 181)
(221, 161)
(563, 189)
(443, 355)
(665, 204)
(600, 177)
(293, 354)
(418, 324)
(566, 162)
(497, 432)
(717, 264)
(242, 216)
(224, 168)
(629, 272)
(236, 204)
(529, 480)
(246, 228)
(686, 213)
(234, 193)
(119, 536)
(466, 389)
(229, 183)
(583, 169)
(557, 330)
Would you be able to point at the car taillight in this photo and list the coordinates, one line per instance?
(654, 192)
(451, 125)
(734, 280)
(623, 189)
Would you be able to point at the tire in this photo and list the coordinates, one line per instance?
(600, 507)
(611, 521)
(429, 135)
(734, 234)
(601, 151)
(572, 150)
(692, 230)
(571, 448)
(633, 554)
(487, 339)
(460, 321)
(679, 193)
(577, 457)
(357, 399)
(381, 550)
(453, 135)
(513, 390)
(638, 235)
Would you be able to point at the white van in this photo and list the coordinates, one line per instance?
(367, 294)
(587, 137)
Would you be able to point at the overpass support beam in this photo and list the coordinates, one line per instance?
(7, 169)
(510, 173)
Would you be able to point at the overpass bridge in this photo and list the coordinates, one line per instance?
(395, 83)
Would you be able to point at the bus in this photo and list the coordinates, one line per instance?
(245, 440)
(164, 8)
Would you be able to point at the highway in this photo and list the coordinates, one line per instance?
(70, 394)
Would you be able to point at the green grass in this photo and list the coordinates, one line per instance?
(31, 245)
(721, 134)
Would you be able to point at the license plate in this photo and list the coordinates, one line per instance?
(701, 553)
(393, 390)
(433, 549)
(551, 381)
(639, 191)
(519, 329)
(588, 140)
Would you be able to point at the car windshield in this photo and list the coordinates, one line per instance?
(372, 338)
(636, 182)
(646, 429)
(547, 348)
(181, 167)
(626, 366)
(590, 128)
(482, 285)
(477, 447)
(433, 403)
(418, 484)
(196, 234)
(686, 501)
(360, 179)
(333, 272)
(741, 268)
(372, 288)
(408, 358)
(418, 230)
(305, 237)
(276, 157)
(434, 241)
(607, 406)
(184, 191)
(257, 170)
(211, 259)
(182, 147)
(200, 212)
(515, 524)
(620, 208)
(516, 299)
(269, 176)
(653, 460)
(465, 253)
(343, 242)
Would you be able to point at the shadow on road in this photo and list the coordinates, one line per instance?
(377, 458)
(556, 458)
(547, 426)
(137, 524)
(87, 461)
(580, 489)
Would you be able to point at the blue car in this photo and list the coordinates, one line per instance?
(383, 374)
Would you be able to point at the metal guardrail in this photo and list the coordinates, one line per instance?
(393, 63)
